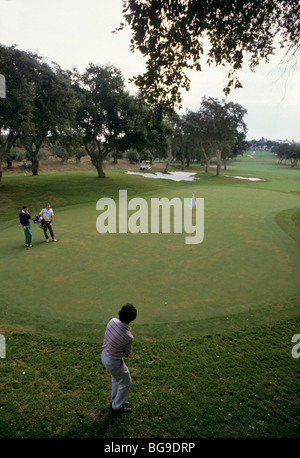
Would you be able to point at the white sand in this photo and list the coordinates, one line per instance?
(182, 176)
(175, 176)
(245, 178)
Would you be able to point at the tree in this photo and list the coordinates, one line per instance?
(39, 100)
(224, 127)
(159, 131)
(16, 108)
(171, 34)
(53, 109)
(294, 155)
(102, 112)
(287, 151)
(184, 140)
(66, 143)
(282, 152)
(15, 154)
(61, 152)
(198, 129)
(111, 121)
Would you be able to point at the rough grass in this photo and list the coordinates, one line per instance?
(245, 385)
(229, 374)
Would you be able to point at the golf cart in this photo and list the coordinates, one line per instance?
(145, 165)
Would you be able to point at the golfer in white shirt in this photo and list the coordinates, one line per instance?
(48, 214)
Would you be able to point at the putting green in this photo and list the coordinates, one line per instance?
(245, 262)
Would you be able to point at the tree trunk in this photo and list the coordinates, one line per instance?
(8, 144)
(100, 170)
(35, 165)
(219, 162)
(98, 163)
(32, 148)
(170, 158)
(206, 158)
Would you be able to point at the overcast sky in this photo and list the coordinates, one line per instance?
(77, 32)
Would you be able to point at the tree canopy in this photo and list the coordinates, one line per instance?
(172, 35)
(39, 99)
(109, 119)
(68, 111)
(216, 130)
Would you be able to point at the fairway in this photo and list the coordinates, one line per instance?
(246, 267)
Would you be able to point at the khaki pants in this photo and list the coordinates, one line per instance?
(120, 379)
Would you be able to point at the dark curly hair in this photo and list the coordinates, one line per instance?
(127, 313)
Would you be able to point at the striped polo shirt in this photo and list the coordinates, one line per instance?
(117, 339)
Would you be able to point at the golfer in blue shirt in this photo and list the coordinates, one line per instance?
(24, 220)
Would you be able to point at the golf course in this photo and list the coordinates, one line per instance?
(212, 352)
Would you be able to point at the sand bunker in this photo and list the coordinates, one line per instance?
(245, 178)
(183, 176)
(175, 176)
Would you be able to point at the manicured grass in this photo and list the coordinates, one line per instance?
(215, 319)
(244, 385)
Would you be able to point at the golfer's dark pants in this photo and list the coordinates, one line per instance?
(50, 230)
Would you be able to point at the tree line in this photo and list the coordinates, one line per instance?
(284, 150)
(93, 113)
(288, 152)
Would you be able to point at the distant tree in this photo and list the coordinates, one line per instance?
(198, 130)
(282, 151)
(66, 143)
(185, 139)
(178, 139)
(148, 131)
(14, 154)
(116, 155)
(287, 151)
(79, 153)
(61, 152)
(133, 156)
(240, 146)
(172, 36)
(224, 126)
(294, 155)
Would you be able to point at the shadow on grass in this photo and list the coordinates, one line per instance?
(35, 244)
(107, 425)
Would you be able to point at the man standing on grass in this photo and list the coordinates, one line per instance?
(47, 214)
(117, 344)
(24, 217)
